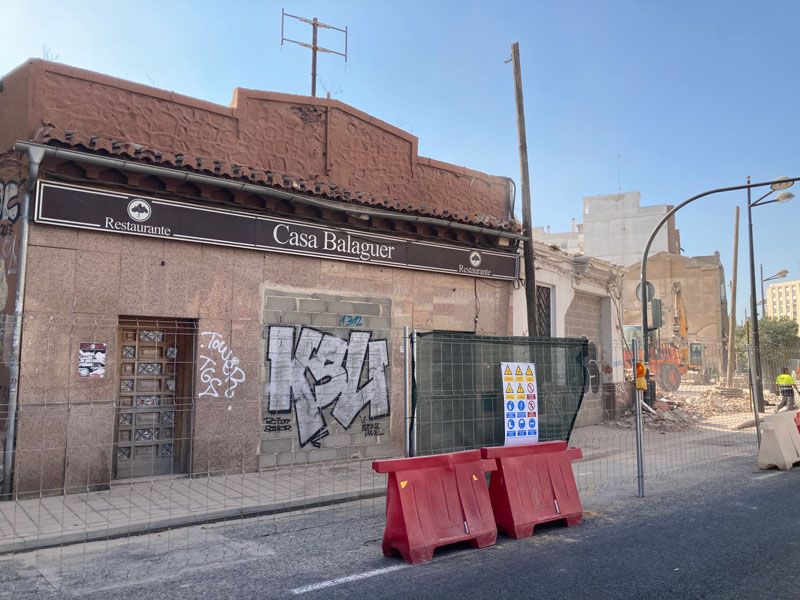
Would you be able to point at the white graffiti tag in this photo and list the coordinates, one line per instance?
(232, 375)
(321, 369)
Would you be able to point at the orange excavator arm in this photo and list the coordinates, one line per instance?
(679, 325)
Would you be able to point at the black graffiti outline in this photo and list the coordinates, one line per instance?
(591, 380)
(297, 336)
(7, 224)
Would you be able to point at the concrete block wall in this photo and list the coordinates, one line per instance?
(283, 440)
(584, 318)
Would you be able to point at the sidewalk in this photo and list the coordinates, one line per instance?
(161, 503)
(153, 505)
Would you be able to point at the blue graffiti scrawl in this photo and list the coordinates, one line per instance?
(313, 370)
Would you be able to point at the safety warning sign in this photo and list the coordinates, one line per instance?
(520, 400)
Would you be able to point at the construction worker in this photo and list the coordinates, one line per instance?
(786, 387)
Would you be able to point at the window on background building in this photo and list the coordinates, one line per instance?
(543, 310)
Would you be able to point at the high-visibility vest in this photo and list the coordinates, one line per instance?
(784, 379)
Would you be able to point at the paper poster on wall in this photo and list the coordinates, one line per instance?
(520, 403)
(92, 360)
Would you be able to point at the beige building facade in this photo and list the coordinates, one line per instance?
(215, 289)
(693, 285)
(783, 300)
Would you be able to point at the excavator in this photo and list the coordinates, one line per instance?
(670, 361)
(691, 353)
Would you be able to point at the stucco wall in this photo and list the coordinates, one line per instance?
(702, 282)
(80, 282)
(298, 136)
(584, 319)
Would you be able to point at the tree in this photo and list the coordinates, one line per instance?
(779, 344)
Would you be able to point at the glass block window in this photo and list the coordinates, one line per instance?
(147, 401)
(151, 335)
(142, 435)
(148, 369)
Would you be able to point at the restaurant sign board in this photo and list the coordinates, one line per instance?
(112, 211)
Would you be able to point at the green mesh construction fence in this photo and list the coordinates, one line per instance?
(457, 399)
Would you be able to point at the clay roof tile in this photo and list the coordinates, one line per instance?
(49, 133)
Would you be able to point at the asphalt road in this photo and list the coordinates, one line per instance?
(724, 532)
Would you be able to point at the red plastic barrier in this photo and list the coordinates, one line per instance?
(797, 420)
(533, 484)
(436, 500)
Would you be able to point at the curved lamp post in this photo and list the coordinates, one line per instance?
(779, 275)
(780, 183)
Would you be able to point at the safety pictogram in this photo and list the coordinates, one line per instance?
(520, 403)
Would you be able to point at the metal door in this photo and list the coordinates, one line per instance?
(154, 398)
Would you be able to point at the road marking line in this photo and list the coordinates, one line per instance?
(768, 475)
(331, 582)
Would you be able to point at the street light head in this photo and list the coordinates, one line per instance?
(781, 274)
(781, 183)
(784, 197)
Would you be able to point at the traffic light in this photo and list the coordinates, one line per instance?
(641, 376)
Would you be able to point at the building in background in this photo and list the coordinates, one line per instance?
(783, 300)
(693, 298)
(615, 228)
(570, 242)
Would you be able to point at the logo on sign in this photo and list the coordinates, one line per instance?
(521, 405)
(139, 210)
(522, 423)
(531, 388)
(475, 259)
(531, 405)
(510, 406)
(532, 423)
(511, 423)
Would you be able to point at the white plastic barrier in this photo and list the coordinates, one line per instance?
(780, 441)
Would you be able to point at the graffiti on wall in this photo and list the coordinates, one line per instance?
(9, 206)
(592, 379)
(8, 252)
(219, 368)
(315, 370)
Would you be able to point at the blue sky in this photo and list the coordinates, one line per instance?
(692, 94)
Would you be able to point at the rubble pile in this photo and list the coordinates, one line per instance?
(674, 412)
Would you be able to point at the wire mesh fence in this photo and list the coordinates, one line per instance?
(147, 447)
(130, 432)
(458, 388)
(693, 417)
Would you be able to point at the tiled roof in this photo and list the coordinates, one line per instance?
(127, 150)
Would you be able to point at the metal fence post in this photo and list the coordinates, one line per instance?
(639, 400)
(407, 406)
(753, 399)
(413, 429)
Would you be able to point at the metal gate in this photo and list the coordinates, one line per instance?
(154, 397)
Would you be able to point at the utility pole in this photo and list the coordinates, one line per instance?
(732, 323)
(313, 46)
(530, 272)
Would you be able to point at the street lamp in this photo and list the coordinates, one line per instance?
(779, 275)
(779, 184)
